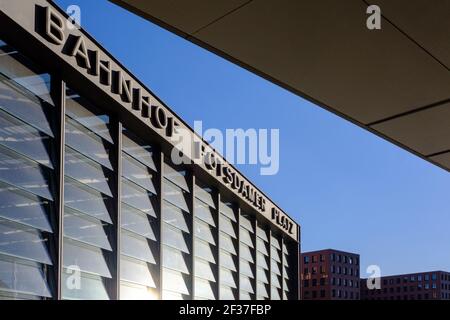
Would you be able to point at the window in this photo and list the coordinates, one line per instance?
(322, 258)
(314, 258)
(306, 259)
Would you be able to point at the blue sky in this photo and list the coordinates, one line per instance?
(349, 189)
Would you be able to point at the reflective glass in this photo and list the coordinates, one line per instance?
(246, 237)
(245, 253)
(23, 277)
(261, 246)
(275, 294)
(24, 207)
(138, 149)
(86, 258)
(261, 275)
(227, 226)
(226, 243)
(178, 177)
(261, 289)
(174, 281)
(227, 277)
(228, 211)
(204, 250)
(203, 231)
(138, 197)
(175, 195)
(132, 291)
(175, 260)
(22, 241)
(83, 112)
(138, 222)
(247, 224)
(136, 271)
(26, 140)
(91, 287)
(174, 216)
(87, 172)
(226, 293)
(83, 228)
(204, 289)
(246, 284)
(138, 173)
(205, 213)
(275, 254)
(87, 200)
(174, 238)
(24, 173)
(204, 269)
(88, 143)
(205, 195)
(245, 268)
(136, 246)
(227, 261)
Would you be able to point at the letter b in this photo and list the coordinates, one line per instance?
(54, 26)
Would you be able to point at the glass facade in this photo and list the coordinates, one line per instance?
(90, 209)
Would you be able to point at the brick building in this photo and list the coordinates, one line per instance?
(329, 275)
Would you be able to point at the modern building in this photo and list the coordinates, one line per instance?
(430, 285)
(93, 201)
(329, 275)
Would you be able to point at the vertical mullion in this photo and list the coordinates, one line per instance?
(239, 253)
(160, 219)
(255, 225)
(59, 90)
(270, 264)
(192, 208)
(282, 267)
(118, 209)
(219, 273)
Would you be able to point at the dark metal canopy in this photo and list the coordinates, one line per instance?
(394, 82)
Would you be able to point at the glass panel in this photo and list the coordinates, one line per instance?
(203, 231)
(275, 280)
(247, 224)
(177, 177)
(245, 296)
(138, 198)
(262, 290)
(275, 267)
(86, 200)
(21, 241)
(261, 275)
(88, 143)
(227, 226)
(86, 258)
(138, 173)
(286, 286)
(174, 238)
(227, 261)
(91, 287)
(136, 271)
(77, 108)
(245, 268)
(23, 104)
(174, 281)
(204, 289)
(262, 262)
(138, 149)
(226, 293)
(226, 243)
(85, 229)
(169, 295)
(205, 213)
(246, 284)
(245, 237)
(204, 250)
(174, 216)
(205, 195)
(275, 254)
(25, 174)
(261, 233)
(87, 171)
(23, 277)
(174, 259)
(131, 291)
(175, 195)
(228, 211)
(140, 223)
(261, 246)
(24, 207)
(26, 140)
(203, 269)
(275, 242)
(227, 277)
(245, 253)
(136, 246)
(275, 294)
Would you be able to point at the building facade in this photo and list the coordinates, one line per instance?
(94, 202)
(431, 285)
(329, 275)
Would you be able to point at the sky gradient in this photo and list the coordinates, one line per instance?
(349, 189)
